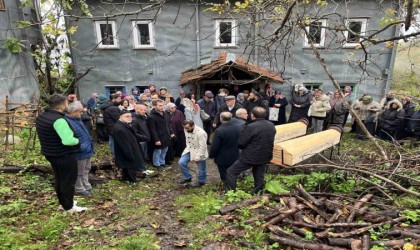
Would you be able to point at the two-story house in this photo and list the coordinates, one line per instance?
(181, 45)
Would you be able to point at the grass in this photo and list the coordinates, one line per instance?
(125, 216)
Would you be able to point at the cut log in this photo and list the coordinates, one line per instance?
(283, 215)
(41, 168)
(356, 245)
(302, 244)
(379, 216)
(11, 169)
(358, 205)
(366, 242)
(296, 150)
(280, 232)
(293, 204)
(315, 208)
(244, 203)
(414, 234)
(335, 216)
(345, 242)
(307, 196)
(366, 229)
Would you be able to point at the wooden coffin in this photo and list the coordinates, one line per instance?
(290, 130)
(296, 150)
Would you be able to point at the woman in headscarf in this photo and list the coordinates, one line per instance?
(101, 133)
(390, 120)
(408, 107)
(367, 110)
(240, 98)
(301, 101)
(192, 111)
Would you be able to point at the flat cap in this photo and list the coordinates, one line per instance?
(229, 97)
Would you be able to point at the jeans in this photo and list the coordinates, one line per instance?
(83, 169)
(238, 167)
(183, 165)
(111, 144)
(159, 156)
(317, 124)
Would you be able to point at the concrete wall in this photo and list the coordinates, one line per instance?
(17, 74)
(175, 51)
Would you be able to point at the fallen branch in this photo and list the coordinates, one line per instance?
(358, 205)
(396, 185)
(302, 244)
(280, 232)
(244, 203)
(365, 229)
(307, 196)
(283, 215)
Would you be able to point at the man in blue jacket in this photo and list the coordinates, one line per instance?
(73, 117)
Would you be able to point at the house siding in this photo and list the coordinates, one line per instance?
(17, 71)
(175, 51)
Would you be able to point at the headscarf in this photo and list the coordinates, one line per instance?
(189, 104)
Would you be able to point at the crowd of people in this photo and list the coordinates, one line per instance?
(153, 127)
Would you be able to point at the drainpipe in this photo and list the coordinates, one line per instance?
(197, 34)
(256, 36)
(392, 59)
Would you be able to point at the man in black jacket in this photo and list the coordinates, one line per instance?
(111, 116)
(160, 131)
(60, 145)
(225, 149)
(209, 106)
(254, 100)
(140, 127)
(256, 142)
(128, 154)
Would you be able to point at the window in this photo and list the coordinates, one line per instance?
(143, 34)
(2, 6)
(357, 28)
(312, 86)
(225, 33)
(109, 90)
(316, 32)
(106, 35)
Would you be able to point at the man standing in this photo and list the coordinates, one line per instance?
(73, 117)
(161, 133)
(230, 106)
(141, 128)
(196, 152)
(111, 116)
(256, 142)
(59, 146)
(240, 119)
(207, 105)
(128, 154)
(254, 100)
(225, 149)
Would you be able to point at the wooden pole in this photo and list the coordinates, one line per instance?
(6, 143)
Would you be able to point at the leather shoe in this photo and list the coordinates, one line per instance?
(198, 184)
(185, 181)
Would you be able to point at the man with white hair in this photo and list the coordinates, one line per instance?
(240, 119)
(73, 117)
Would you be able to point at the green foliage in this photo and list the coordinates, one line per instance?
(13, 207)
(407, 201)
(275, 187)
(194, 208)
(376, 247)
(238, 195)
(13, 45)
(413, 215)
(380, 232)
(141, 241)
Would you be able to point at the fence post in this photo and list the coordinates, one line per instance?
(6, 143)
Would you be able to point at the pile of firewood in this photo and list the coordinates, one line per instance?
(303, 220)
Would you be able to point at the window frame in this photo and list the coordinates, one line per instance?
(233, 33)
(346, 33)
(312, 85)
(108, 89)
(322, 42)
(136, 34)
(2, 5)
(99, 36)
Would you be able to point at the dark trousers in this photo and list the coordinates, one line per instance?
(65, 172)
(223, 171)
(129, 174)
(238, 167)
(208, 127)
